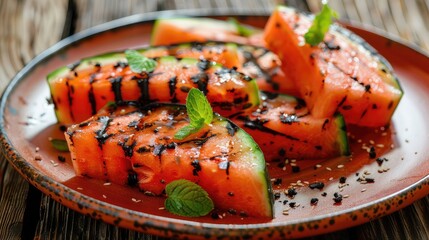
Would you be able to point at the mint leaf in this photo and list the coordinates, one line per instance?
(188, 199)
(198, 107)
(60, 145)
(139, 63)
(189, 129)
(320, 26)
(241, 29)
(199, 112)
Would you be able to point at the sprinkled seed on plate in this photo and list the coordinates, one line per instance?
(162, 208)
(340, 166)
(285, 212)
(363, 190)
(380, 145)
(107, 183)
(293, 160)
(328, 168)
(37, 149)
(366, 172)
(331, 178)
(284, 168)
(38, 157)
(380, 170)
(346, 196)
(293, 164)
(306, 182)
(371, 142)
(104, 196)
(318, 165)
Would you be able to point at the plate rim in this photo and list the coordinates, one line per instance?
(49, 185)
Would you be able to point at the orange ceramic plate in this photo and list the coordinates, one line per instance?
(370, 190)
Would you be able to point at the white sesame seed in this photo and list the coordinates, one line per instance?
(37, 149)
(161, 208)
(371, 142)
(328, 168)
(293, 160)
(384, 134)
(340, 166)
(346, 196)
(79, 188)
(293, 164)
(104, 196)
(380, 145)
(318, 165)
(107, 184)
(331, 178)
(363, 190)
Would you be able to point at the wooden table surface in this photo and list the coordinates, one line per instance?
(30, 26)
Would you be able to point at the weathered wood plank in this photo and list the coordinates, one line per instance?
(27, 28)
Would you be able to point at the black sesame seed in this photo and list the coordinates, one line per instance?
(337, 197)
(380, 161)
(318, 185)
(232, 211)
(215, 215)
(369, 180)
(291, 192)
(63, 128)
(285, 202)
(296, 169)
(276, 195)
(278, 181)
(372, 153)
(343, 180)
(61, 158)
(314, 201)
(292, 204)
(324, 194)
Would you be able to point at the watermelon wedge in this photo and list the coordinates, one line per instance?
(179, 30)
(80, 90)
(132, 145)
(342, 74)
(284, 129)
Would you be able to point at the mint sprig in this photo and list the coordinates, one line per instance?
(242, 30)
(188, 199)
(321, 23)
(59, 144)
(139, 63)
(199, 112)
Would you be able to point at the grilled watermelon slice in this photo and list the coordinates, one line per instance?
(284, 129)
(256, 61)
(135, 145)
(343, 73)
(179, 30)
(82, 89)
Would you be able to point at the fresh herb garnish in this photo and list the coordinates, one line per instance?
(139, 63)
(242, 30)
(188, 199)
(199, 111)
(59, 144)
(320, 26)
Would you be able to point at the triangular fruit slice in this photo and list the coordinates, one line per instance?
(342, 74)
(137, 146)
(284, 129)
(82, 89)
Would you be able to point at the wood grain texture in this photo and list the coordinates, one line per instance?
(27, 28)
(39, 24)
